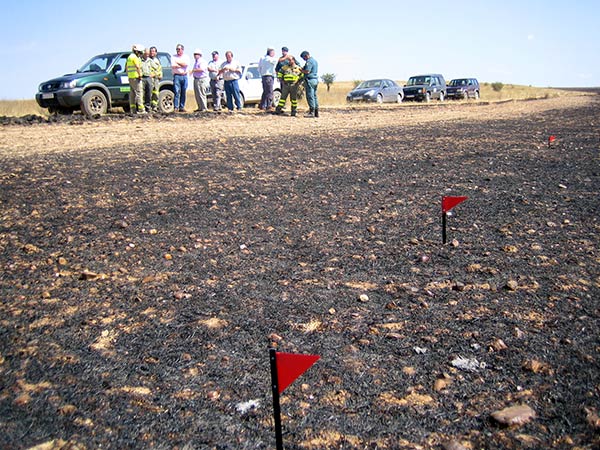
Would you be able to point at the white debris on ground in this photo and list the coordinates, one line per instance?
(244, 407)
(469, 364)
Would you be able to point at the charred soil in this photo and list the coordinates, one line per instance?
(147, 265)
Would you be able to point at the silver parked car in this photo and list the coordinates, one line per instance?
(380, 90)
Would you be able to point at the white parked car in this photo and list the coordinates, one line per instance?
(251, 86)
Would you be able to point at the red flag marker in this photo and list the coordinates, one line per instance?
(285, 368)
(447, 204)
(450, 202)
(551, 140)
(290, 366)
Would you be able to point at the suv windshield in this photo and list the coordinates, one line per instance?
(462, 82)
(414, 81)
(97, 64)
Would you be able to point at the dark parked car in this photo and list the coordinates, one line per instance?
(99, 85)
(464, 88)
(380, 90)
(425, 87)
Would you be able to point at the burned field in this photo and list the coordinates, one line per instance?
(143, 285)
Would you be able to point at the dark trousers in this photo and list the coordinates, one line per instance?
(266, 101)
(292, 91)
(216, 90)
(147, 90)
(310, 86)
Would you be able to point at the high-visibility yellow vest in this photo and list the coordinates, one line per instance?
(134, 66)
(291, 74)
(156, 68)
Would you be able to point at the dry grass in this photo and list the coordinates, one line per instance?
(336, 96)
(18, 108)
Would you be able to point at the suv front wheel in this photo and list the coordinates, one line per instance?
(94, 103)
(276, 97)
(165, 101)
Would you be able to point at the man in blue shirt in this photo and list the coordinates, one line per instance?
(311, 82)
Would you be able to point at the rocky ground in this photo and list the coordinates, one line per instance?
(147, 265)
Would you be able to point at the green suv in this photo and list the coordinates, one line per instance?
(100, 84)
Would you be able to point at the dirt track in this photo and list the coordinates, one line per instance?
(148, 264)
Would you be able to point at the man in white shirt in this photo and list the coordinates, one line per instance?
(216, 81)
(179, 64)
(266, 67)
(232, 72)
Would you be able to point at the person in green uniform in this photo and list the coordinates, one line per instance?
(311, 82)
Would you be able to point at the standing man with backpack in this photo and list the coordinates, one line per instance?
(290, 75)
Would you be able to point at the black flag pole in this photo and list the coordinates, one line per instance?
(276, 405)
(447, 204)
(444, 219)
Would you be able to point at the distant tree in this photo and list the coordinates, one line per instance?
(357, 82)
(497, 86)
(328, 79)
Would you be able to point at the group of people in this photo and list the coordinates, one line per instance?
(290, 74)
(145, 72)
(213, 75)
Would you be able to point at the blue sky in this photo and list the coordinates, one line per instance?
(539, 43)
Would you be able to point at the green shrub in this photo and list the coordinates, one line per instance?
(328, 79)
(497, 86)
(355, 83)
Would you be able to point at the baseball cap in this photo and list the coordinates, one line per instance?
(284, 49)
(197, 52)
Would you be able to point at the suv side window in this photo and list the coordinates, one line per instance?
(122, 61)
(164, 60)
